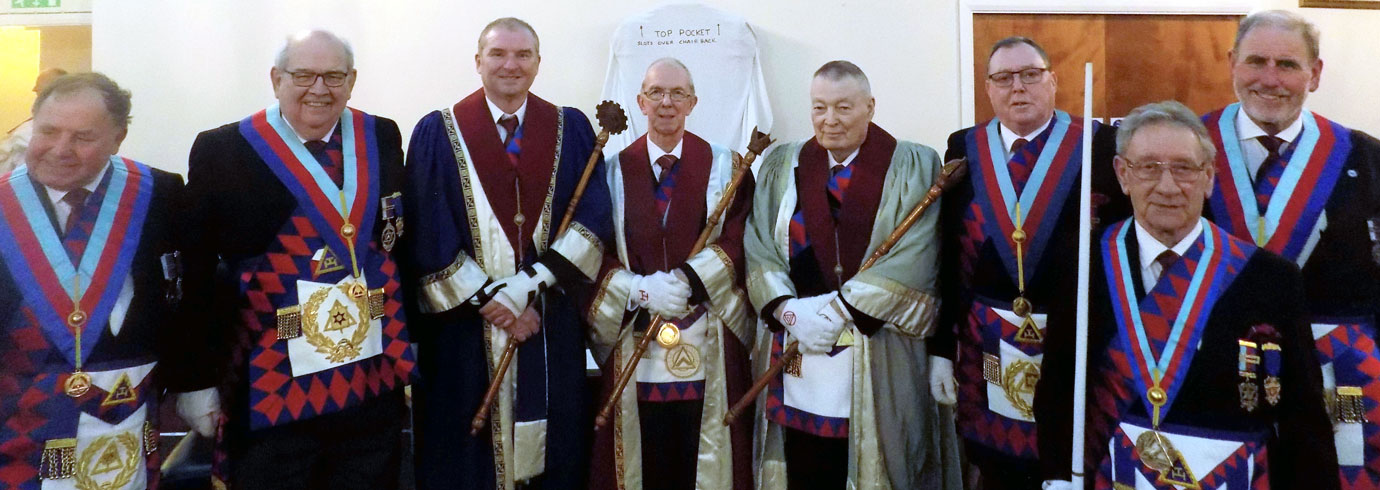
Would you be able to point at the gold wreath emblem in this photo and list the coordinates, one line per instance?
(104, 456)
(1018, 382)
(345, 349)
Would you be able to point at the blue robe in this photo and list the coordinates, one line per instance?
(446, 264)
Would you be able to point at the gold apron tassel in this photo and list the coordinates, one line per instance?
(1351, 407)
(289, 322)
(59, 459)
(794, 364)
(991, 368)
(376, 301)
(150, 438)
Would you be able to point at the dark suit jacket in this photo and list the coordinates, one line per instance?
(149, 327)
(1267, 290)
(234, 208)
(1342, 277)
(1045, 281)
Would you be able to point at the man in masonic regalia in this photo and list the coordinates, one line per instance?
(1201, 371)
(490, 180)
(1008, 232)
(294, 216)
(88, 281)
(854, 411)
(1308, 189)
(664, 185)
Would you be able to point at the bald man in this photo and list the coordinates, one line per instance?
(296, 211)
(663, 187)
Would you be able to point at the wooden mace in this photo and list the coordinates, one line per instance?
(612, 120)
(741, 167)
(952, 172)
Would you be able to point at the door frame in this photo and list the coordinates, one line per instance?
(967, 9)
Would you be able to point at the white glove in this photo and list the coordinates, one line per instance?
(662, 293)
(1057, 485)
(805, 320)
(942, 386)
(836, 312)
(201, 410)
(520, 289)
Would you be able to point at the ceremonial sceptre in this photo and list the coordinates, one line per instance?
(950, 173)
(741, 166)
(1080, 356)
(612, 120)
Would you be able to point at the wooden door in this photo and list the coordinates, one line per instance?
(1137, 59)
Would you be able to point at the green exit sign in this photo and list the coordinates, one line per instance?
(35, 4)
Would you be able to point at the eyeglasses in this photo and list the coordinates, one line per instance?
(1183, 172)
(1028, 76)
(677, 95)
(308, 78)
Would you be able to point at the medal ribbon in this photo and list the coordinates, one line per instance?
(1313, 169)
(280, 148)
(1042, 198)
(1211, 275)
(45, 274)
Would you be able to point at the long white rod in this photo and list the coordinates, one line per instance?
(1080, 366)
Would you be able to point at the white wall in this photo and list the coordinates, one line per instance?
(196, 65)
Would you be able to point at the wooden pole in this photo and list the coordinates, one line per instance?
(951, 173)
(611, 121)
(742, 166)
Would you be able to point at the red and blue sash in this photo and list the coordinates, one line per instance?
(1160, 333)
(316, 194)
(47, 276)
(1042, 198)
(1298, 201)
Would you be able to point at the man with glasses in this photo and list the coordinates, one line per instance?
(663, 187)
(490, 180)
(1009, 232)
(1308, 188)
(1201, 371)
(851, 411)
(294, 212)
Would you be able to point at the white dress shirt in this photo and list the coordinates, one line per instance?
(62, 210)
(654, 152)
(1251, 149)
(846, 160)
(1150, 248)
(497, 114)
(1009, 136)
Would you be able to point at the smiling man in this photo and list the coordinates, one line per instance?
(1308, 188)
(490, 179)
(663, 186)
(821, 207)
(1005, 265)
(1201, 371)
(88, 288)
(294, 212)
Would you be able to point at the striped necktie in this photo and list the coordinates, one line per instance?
(76, 232)
(1021, 161)
(512, 141)
(665, 184)
(1271, 169)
